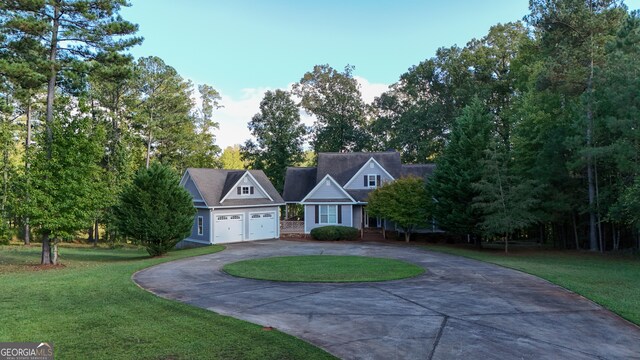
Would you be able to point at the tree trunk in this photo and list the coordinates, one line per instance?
(96, 234)
(46, 249)
(51, 89)
(407, 236)
(27, 166)
(506, 243)
(90, 234)
(575, 230)
(149, 137)
(593, 235)
(55, 252)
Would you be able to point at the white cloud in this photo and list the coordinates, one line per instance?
(370, 90)
(237, 112)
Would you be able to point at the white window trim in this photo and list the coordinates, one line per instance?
(200, 225)
(375, 181)
(243, 187)
(327, 207)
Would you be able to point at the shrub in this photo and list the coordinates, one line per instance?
(334, 233)
(155, 210)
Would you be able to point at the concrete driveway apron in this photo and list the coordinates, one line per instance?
(459, 309)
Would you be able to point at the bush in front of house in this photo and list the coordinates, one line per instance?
(332, 233)
(154, 210)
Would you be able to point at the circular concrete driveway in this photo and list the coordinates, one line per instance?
(459, 309)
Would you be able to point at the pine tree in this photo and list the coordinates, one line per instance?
(451, 185)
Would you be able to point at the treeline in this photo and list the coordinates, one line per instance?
(535, 127)
(78, 116)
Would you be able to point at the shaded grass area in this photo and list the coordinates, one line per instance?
(90, 308)
(612, 281)
(323, 268)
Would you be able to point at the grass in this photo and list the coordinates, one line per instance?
(612, 281)
(323, 268)
(90, 308)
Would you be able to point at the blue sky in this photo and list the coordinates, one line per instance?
(244, 47)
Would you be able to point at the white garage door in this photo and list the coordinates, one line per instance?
(262, 225)
(228, 228)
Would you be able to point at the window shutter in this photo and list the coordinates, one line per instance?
(366, 181)
(251, 190)
(239, 190)
(378, 180)
(339, 214)
(317, 214)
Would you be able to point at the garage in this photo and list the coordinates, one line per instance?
(228, 228)
(262, 225)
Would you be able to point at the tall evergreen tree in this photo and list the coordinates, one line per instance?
(459, 167)
(573, 35)
(67, 33)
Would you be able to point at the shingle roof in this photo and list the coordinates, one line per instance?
(214, 184)
(343, 166)
(298, 182)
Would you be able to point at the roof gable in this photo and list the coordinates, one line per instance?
(245, 179)
(214, 184)
(343, 166)
(327, 189)
(371, 167)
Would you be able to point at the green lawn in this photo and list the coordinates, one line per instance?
(612, 281)
(90, 308)
(323, 268)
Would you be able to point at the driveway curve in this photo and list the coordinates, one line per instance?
(459, 309)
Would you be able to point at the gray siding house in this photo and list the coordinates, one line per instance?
(335, 192)
(232, 206)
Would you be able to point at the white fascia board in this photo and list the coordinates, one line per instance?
(238, 183)
(363, 167)
(222, 207)
(259, 186)
(315, 188)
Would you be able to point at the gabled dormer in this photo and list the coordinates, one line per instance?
(244, 186)
(370, 176)
(328, 189)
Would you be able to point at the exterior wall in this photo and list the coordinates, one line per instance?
(310, 217)
(245, 217)
(370, 168)
(194, 238)
(246, 181)
(324, 191)
(195, 194)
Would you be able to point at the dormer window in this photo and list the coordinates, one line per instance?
(245, 190)
(371, 181)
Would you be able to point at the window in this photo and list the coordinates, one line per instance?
(371, 180)
(328, 214)
(200, 225)
(245, 190)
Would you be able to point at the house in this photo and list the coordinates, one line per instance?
(232, 205)
(335, 192)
